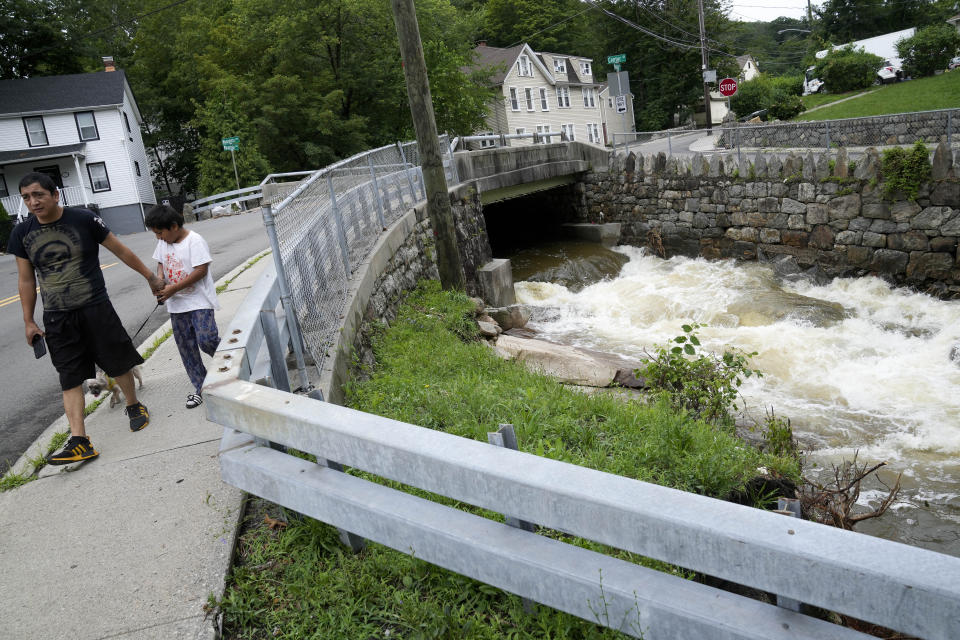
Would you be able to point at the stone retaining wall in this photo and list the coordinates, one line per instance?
(807, 208)
(931, 127)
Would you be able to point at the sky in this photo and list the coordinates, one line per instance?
(767, 10)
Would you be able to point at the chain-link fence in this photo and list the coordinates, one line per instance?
(930, 127)
(329, 223)
(624, 141)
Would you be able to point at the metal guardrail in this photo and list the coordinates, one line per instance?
(641, 137)
(904, 588)
(227, 198)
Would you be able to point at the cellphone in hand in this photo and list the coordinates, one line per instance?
(39, 346)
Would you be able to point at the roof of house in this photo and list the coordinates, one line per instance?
(42, 153)
(742, 60)
(61, 93)
(501, 59)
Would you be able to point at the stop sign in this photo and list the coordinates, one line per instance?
(728, 87)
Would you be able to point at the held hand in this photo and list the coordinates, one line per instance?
(156, 284)
(32, 330)
(165, 293)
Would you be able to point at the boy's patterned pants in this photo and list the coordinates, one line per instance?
(195, 331)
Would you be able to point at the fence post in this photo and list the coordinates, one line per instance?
(949, 127)
(507, 438)
(376, 192)
(739, 160)
(454, 173)
(828, 135)
(403, 158)
(285, 298)
(341, 232)
(789, 507)
(669, 144)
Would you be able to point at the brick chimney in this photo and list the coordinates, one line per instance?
(108, 63)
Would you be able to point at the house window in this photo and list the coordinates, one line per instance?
(126, 121)
(585, 69)
(523, 66)
(521, 131)
(99, 180)
(567, 131)
(593, 132)
(610, 103)
(528, 94)
(36, 132)
(543, 128)
(560, 65)
(563, 96)
(589, 97)
(86, 125)
(488, 142)
(3, 187)
(544, 104)
(514, 102)
(136, 166)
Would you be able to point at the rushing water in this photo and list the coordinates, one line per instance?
(857, 366)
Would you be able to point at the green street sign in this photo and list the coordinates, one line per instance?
(231, 144)
(620, 58)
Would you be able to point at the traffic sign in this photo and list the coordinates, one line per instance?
(619, 58)
(621, 102)
(728, 87)
(231, 144)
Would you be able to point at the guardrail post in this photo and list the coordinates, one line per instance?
(789, 507)
(376, 191)
(352, 540)
(453, 163)
(341, 232)
(285, 299)
(506, 437)
(278, 356)
(406, 170)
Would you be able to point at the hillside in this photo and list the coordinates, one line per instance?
(925, 94)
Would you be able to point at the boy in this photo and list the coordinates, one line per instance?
(60, 246)
(183, 261)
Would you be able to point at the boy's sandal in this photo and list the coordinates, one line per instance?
(194, 400)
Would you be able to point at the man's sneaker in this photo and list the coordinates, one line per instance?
(194, 400)
(78, 448)
(139, 417)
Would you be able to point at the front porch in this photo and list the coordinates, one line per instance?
(62, 164)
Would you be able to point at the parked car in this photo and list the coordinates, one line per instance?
(891, 71)
(954, 63)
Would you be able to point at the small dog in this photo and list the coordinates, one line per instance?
(105, 384)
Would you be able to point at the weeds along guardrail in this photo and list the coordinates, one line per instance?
(904, 588)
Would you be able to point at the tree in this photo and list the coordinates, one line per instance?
(929, 50)
(223, 115)
(34, 41)
(560, 26)
(848, 68)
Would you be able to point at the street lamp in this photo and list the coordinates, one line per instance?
(800, 30)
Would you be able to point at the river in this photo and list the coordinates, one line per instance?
(856, 365)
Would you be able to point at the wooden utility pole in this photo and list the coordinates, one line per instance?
(707, 115)
(421, 108)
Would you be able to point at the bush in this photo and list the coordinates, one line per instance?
(6, 225)
(776, 94)
(848, 69)
(904, 171)
(929, 50)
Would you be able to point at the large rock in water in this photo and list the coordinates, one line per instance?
(569, 365)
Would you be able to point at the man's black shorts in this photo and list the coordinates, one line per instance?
(81, 338)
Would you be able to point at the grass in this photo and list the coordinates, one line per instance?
(431, 370)
(820, 99)
(924, 94)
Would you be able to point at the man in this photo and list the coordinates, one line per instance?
(61, 246)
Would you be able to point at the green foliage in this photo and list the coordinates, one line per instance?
(847, 69)
(904, 171)
(848, 20)
(779, 95)
(6, 226)
(929, 50)
(698, 382)
(924, 94)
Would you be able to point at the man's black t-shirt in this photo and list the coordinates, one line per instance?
(65, 256)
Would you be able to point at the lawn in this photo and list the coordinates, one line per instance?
(820, 99)
(925, 94)
(295, 580)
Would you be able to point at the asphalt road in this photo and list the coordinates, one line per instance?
(31, 391)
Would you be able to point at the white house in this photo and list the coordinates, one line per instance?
(547, 92)
(84, 131)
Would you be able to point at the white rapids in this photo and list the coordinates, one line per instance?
(857, 365)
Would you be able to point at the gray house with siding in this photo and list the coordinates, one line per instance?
(84, 131)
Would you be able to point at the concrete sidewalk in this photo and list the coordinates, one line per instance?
(133, 543)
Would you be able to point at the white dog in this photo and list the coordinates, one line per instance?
(105, 384)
